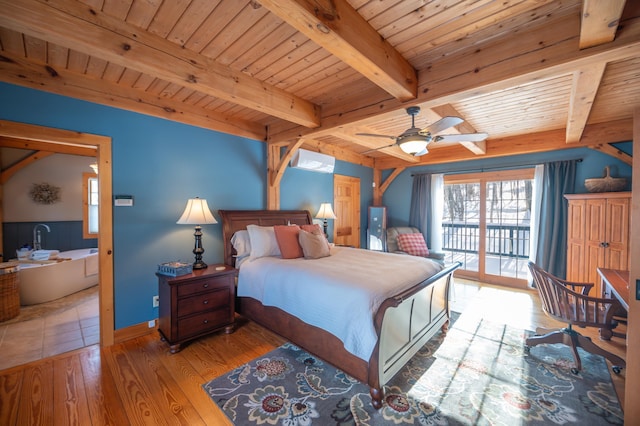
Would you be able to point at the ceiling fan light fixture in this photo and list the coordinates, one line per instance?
(414, 145)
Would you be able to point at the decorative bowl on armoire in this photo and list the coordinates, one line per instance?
(606, 183)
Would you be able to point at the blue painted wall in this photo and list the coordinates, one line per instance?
(398, 195)
(162, 164)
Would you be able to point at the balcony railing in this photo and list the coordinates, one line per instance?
(502, 240)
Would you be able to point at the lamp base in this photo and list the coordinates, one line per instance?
(198, 250)
(200, 265)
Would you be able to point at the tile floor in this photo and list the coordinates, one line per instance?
(50, 328)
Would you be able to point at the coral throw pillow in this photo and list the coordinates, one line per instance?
(287, 237)
(413, 244)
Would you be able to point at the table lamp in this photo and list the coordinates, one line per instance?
(197, 213)
(325, 212)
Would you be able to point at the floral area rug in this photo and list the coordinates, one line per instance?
(479, 374)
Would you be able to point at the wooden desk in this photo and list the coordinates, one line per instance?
(615, 283)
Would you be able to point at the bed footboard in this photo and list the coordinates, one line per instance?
(404, 324)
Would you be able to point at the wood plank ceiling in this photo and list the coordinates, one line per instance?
(535, 75)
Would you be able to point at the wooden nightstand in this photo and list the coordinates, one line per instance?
(196, 304)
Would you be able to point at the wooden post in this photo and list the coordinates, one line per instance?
(273, 188)
(377, 187)
(2, 256)
(632, 374)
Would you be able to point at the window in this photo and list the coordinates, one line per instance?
(90, 205)
(486, 224)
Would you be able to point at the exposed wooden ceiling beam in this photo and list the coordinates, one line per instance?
(583, 92)
(15, 168)
(600, 20)
(478, 148)
(80, 27)
(20, 71)
(340, 153)
(496, 69)
(341, 30)
(614, 152)
(552, 140)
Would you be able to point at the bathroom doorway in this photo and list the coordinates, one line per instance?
(50, 140)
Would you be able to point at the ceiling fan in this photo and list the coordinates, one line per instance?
(414, 141)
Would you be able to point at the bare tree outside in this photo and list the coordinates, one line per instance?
(506, 229)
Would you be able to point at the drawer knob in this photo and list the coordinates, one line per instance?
(206, 302)
(205, 285)
(205, 322)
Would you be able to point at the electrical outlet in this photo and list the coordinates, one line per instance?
(152, 323)
(156, 301)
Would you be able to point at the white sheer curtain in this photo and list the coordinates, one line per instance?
(536, 201)
(437, 206)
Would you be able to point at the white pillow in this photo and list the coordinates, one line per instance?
(241, 243)
(263, 241)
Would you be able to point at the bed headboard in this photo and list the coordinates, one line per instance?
(235, 220)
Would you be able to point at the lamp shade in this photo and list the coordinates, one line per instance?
(325, 212)
(196, 213)
(414, 146)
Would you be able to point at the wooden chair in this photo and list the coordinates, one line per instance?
(569, 302)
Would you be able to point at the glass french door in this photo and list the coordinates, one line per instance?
(486, 225)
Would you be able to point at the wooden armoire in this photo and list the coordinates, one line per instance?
(597, 235)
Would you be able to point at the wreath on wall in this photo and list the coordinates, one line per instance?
(44, 193)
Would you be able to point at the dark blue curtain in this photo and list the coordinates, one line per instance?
(420, 211)
(551, 253)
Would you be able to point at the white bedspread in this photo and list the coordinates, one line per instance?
(339, 293)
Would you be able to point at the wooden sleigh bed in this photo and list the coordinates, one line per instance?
(403, 323)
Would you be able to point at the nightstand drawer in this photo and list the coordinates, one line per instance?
(203, 302)
(199, 286)
(202, 323)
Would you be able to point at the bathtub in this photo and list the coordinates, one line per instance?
(43, 282)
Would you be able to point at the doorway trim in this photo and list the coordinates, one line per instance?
(58, 140)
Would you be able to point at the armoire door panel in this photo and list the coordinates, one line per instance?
(575, 258)
(595, 226)
(617, 231)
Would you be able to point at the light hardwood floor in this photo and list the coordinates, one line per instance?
(139, 382)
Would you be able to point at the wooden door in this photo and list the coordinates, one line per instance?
(346, 201)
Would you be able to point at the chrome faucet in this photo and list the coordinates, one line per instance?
(37, 240)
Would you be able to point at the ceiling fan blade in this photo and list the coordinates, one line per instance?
(376, 135)
(378, 149)
(442, 124)
(465, 137)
